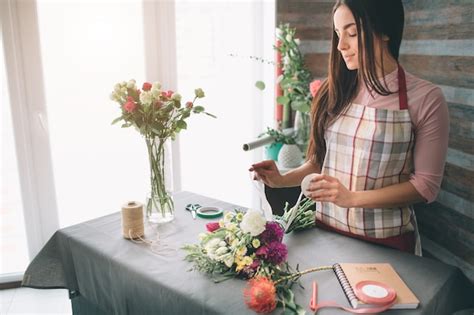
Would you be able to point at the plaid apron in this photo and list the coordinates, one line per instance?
(370, 148)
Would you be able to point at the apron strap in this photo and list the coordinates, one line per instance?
(402, 89)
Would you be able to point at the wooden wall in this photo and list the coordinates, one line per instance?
(438, 46)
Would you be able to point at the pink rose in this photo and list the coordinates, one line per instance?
(189, 104)
(130, 99)
(169, 94)
(164, 94)
(129, 106)
(146, 86)
(314, 87)
(211, 227)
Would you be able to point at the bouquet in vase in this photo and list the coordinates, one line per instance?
(158, 115)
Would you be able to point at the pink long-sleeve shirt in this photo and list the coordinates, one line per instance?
(430, 121)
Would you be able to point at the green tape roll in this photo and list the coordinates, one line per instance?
(209, 212)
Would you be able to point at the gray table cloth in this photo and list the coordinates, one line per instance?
(108, 274)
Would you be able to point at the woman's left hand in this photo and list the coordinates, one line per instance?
(324, 188)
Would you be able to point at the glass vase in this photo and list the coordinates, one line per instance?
(302, 130)
(159, 203)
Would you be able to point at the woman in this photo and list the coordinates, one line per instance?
(379, 135)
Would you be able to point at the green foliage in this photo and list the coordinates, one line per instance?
(296, 78)
(304, 218)
(279, 136)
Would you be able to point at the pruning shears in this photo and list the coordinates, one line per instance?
(193, 207)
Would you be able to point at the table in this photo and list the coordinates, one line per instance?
(107, 274)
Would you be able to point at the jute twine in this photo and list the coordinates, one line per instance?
(133, 229)
(132, 220)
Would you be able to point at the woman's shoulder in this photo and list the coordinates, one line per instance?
(421, 88)
(426, 101)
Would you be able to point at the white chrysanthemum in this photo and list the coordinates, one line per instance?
(228, 260)
(146, 97)
(117, 87)
(221, 251)
(123, 89)
(253, 222)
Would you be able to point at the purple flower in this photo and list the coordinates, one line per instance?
(275, 253)
(273, 233)
(255, 264)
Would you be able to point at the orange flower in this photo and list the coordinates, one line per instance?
(260, 295)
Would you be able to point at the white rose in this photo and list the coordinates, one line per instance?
(288, 37)
(155, 92)
(156, 86)
(253, 222)
(131, 84)
(176, 97)
(145, 98)
(297, 41)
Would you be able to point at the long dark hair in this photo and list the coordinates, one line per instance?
(373, 18)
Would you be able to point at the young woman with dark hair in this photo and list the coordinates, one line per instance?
(379, 135)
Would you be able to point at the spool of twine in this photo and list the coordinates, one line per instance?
(132, 220)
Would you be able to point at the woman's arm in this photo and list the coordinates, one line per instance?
(325, 188)
(268, 172)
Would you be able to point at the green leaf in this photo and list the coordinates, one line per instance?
(198, 109)
(301, 106)
(116, 120)
(260, 85)
(182, 124)
(283, 100)
(300, 310)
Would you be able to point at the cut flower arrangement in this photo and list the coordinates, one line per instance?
(245, 245)
(158, 115)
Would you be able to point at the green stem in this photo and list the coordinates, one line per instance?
(300, 273)
(159, 197)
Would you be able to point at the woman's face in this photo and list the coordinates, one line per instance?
(346, 30)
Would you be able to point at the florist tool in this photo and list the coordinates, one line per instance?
(193, 208)
(209, 212)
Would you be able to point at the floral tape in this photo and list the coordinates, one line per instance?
(209, 212)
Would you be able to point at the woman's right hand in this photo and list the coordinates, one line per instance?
(268, 172)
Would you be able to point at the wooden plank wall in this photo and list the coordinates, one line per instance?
(438, 46)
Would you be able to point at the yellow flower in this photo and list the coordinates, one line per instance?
(247, 260)
(228, 216)
(256, 243)
(239, 216)
(231, 226)
(240, 264)
(241, 251)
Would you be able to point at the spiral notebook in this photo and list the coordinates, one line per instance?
(350, 274)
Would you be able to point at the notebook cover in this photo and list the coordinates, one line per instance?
(383, 273)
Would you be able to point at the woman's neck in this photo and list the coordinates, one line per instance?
(389, 65)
